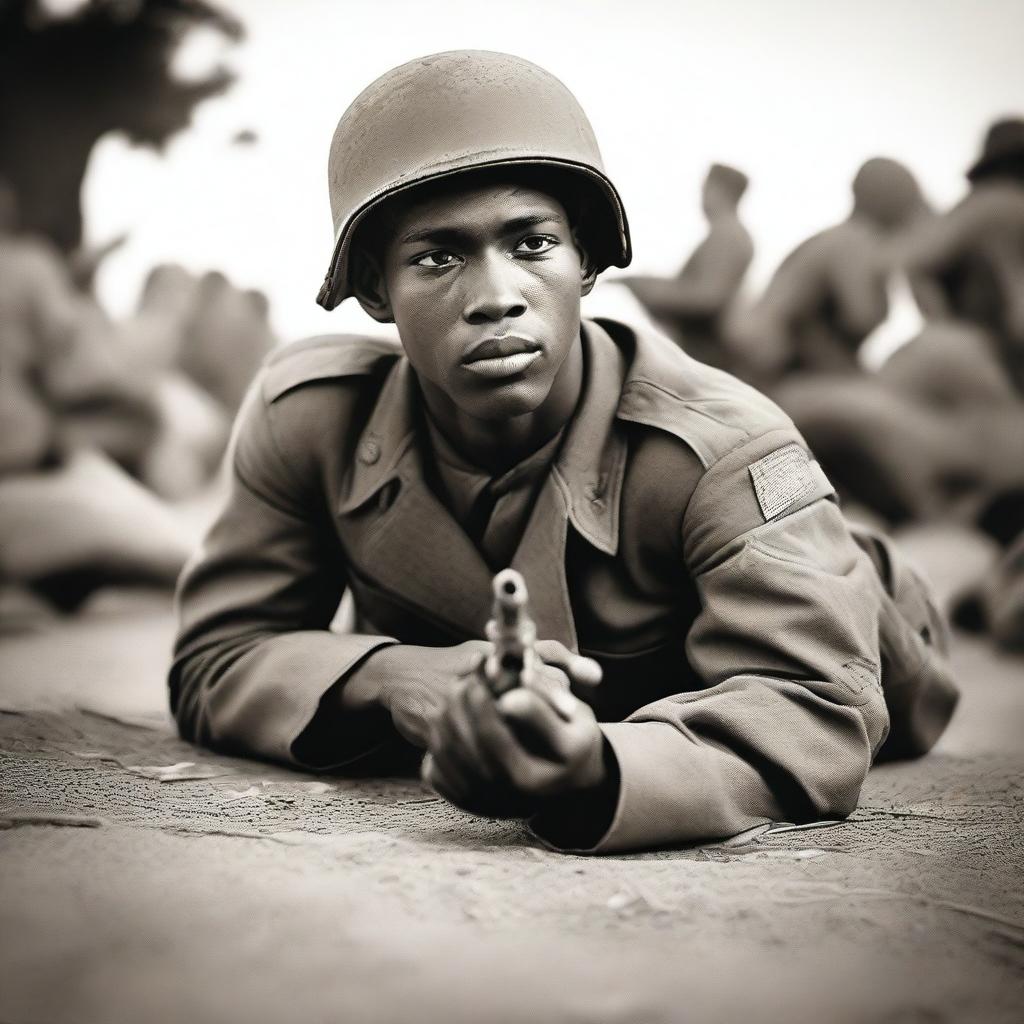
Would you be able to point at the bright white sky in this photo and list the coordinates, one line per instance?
(795, 92)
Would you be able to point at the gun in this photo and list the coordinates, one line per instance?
(513, 633)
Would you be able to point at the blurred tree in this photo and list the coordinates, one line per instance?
(67, 80)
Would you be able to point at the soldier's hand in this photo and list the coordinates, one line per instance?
(415, 684)
(504, 757)
(581, 674)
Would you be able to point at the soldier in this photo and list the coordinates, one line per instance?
(692, 305)
(675, 535)
(969, 264)
(830, 293)
(71, 519)
(937, 432)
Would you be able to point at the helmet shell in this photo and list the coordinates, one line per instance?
(453, 112)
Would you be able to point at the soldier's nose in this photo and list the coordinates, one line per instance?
(492, 294)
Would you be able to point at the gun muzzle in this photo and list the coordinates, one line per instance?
(512, 632)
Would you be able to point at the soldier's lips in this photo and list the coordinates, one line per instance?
(503, 356)
(503, 366)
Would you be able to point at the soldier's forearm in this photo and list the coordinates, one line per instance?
(413, 684)
(364, 688)
(383, 686)
(391, 675)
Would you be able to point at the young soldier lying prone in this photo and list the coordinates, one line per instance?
(678, 541)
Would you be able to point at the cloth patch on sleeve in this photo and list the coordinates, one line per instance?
(781, 478)
(860, 675)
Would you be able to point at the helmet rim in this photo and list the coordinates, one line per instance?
(337, 284)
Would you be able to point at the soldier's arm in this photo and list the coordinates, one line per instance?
(787, 643)
(943, 239)
(711, 278)
(857, 278)
(254, 657)
(939, 243)
(709, 283)
(930, 249)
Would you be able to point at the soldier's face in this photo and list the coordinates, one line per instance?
(484, 287)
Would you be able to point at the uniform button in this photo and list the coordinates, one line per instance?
(369, 452)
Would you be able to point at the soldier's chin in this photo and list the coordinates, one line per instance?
(506, 399)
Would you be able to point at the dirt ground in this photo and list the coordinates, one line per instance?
(227, 890)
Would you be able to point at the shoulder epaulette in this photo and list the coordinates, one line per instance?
(709, 410)
(325, 357)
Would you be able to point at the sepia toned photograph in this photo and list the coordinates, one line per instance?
(511, 513)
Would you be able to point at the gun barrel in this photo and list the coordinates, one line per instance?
(513, 633)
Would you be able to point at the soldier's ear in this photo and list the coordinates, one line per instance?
(369, 285)
(588, 270)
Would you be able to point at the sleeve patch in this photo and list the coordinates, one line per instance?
(781, 478)
(860, 675)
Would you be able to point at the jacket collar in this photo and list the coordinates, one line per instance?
(589, 468)
(592, 462)
(386, 439)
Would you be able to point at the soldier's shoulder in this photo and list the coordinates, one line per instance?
(998, 200)
(326, 357)
(710, 411)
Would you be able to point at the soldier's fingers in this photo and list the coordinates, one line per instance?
(554, 652)
(532, 775)
(452, 764)
(519, 770)
(497, 741)
(552, 683)
(459, 732)
(434, 776)
(449, 746)
(526, 773)
(584, 671)
(543, 728)
(555, 691)
(476, 665)
(549, 675)
(581, 671)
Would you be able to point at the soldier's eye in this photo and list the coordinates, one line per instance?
(534, 245)
(436, 260)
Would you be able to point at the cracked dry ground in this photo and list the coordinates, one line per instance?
(235, 890)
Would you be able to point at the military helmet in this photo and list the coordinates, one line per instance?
(455, 112)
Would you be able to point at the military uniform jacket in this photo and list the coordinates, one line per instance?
(683, 538)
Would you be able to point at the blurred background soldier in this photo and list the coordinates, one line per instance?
(969, 264)
(691, 306)
(226, 338)
(108, 422)
(98, 418)
(198, 342)
(72, 421)
(831, 292)
(938, 433)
